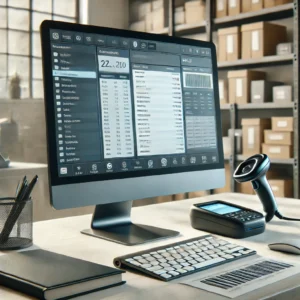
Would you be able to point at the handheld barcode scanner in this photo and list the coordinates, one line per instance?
(254, 169)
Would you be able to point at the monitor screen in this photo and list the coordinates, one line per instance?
(220, 208)
(129, 103)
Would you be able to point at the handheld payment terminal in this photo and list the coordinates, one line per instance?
(227, 219)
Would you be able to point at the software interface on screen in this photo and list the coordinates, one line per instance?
(220, 208)
(125, 104)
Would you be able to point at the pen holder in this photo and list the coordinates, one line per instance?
(15, 224)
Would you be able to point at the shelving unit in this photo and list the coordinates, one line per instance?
(274, 60)
(212, 24)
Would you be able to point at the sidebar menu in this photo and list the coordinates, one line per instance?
(76, 108)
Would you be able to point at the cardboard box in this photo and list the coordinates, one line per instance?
(139, 9)
(278, 138)
(197, 194)
(221, 8)
(239, 83)
(226, 145)
(245, 188)
(238, 134)
(149, 22)
(282, 188)
(246, 6)
(179, 15)
(277, 151)
(194, 12)
(229, 45)
(234, 7)
(283, 124)
(253, 134)
(282, 94)
(223, 91)
(138, 26)
(262, 90)
(157, 4)
(284, 49)
(256, 4)
(179, 3)
(272, 3)
(260, 39)
(159, 19)
(228, 177)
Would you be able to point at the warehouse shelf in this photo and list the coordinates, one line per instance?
(185, 29)
(268, 105)
(287, 161)
(266, 14)
(161, 31)
(273, 60)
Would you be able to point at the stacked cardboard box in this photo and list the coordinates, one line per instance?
(149, 15)
(240, 84)
(234, 7)
(229, 44)
(253, 134)
(279, 140)
(194, 11)
(260, 39)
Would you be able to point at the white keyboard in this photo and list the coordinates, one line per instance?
(184, 258)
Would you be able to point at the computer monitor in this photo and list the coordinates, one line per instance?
(129, 116)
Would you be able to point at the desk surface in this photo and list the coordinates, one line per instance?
(63, 236)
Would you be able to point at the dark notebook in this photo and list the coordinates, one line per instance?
(47, 275)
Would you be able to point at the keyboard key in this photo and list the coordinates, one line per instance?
(172, 262)
(167, 254)
(209, 252)
(170, 258)
(135, 263)
(165, 265)
(168, 249)
(129, 259)
(162, 260)
(165, 275)
(194, 256)
(146, 255)
(205, 243)
(158, 272)
(177, 267)
(187, 258)
(189, 268)
(158, 256)
(161, 251)
(191, 252)
(153, 253)
(173, 273)
(155, 268)
(185, 264)
(228, 256)
(180, 260)
(199, 259)
(146, 266)
(176, 256)
(150, 258)
(234, 250)
(169, 269)
(181, 271)
(210, 247)
(208, 263)
(138, 257)
(143, 261)
(154, 263)
(193, 262)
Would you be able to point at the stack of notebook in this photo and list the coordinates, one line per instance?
(47, 275)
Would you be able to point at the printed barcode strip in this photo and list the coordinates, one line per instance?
(238, 277)
(198, 80)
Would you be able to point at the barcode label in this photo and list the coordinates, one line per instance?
(236, 278)
(197, 80)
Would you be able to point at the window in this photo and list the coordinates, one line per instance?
(20, 49)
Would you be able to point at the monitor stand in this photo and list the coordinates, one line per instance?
(112, 222)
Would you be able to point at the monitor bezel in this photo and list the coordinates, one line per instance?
(54, 179)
